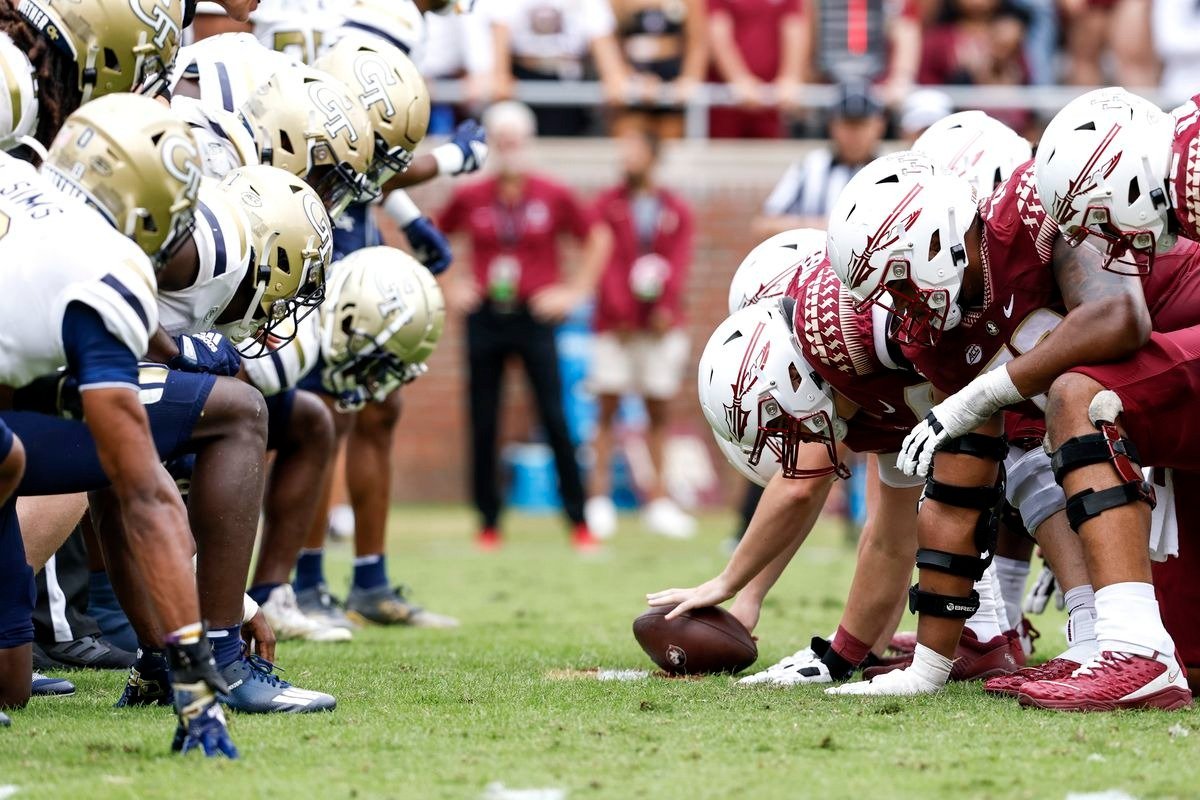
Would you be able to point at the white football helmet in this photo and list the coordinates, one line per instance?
(382, 320)
(758, 393)
(767, 270)
(1101, 172)
(976, 147)
(19, 98)
(760, 473)
(898, 228)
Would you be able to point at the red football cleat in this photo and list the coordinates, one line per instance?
(1111, 681)
(488, 540)
(973, 660)
(583, 541)
(1008, 685)
(904, 643)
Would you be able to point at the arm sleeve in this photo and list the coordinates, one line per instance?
(95, 357)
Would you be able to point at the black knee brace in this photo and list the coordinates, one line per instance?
(988, 500)
(1096, 448)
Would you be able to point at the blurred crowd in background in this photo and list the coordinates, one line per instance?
(651, 56)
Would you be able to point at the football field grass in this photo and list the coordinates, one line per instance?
(443, 714)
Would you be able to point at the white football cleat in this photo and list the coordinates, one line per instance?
(289, 622)
(664, 518)
(601, 516)
(800, 674)
(897, 683)
(800, 658)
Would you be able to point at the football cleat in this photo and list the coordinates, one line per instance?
(583, 541)
(4, 720)
(289, 622)
(149, 683)
(386, 606)
(798, 674)
(45, 686)
(1112, 680)
(488, 540)
(800, 658)
(973, 660)
(317, 603)
(1008, 685)
(86, 652)
(897, 683)
(664, 518)
(601, 516)
(254, 688)
(903, 643)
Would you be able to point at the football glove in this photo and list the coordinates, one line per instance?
(208, 352)
(195, 683)
(465, 152)
(429, 244)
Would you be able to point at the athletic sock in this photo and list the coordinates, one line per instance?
(1081, 623)
(931, 665)
(850, 648)
(310, 569)
(1128, 621)
(1013, 575)
(261, 591)
(226, 645)
(984, 623)
(370, 572)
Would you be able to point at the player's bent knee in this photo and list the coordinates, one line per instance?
(238, 409)
(379, 419)
(12, 469)
(312, 424)
(1067, 404)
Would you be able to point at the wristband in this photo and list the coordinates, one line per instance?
(400, 207)
(249, 608)
(449, 158)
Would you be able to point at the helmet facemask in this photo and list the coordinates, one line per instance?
(385, 165)
(784, 434)
(363, 368)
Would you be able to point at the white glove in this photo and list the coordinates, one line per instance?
(959, 414)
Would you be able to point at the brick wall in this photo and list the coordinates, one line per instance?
(725, 183)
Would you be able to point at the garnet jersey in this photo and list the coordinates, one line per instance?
(1185, 168)
(56, 251)
(222, 244)
(1021, 301)
(849, 351)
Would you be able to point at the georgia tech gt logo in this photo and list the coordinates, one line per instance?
(182, 162)
(160, 20)
(315, 213)
(335, 106)
(374, 76)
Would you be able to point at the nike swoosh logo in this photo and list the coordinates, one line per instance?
(1008, 309)
(887, 407)
(1171, 676)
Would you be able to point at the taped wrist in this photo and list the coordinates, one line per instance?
(1096, 448)
(942, 605)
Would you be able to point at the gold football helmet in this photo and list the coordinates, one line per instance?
(291, 241)
(116, 44)
(308, 123)
(18, 95)
(136, 163)
(382, 321)
(393, 93)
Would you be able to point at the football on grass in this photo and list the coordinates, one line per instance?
(698, 642)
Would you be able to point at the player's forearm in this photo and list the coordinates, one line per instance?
(162, 347)
(423, 169)
(785, 515)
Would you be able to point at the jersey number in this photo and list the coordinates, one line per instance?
(1029, 333)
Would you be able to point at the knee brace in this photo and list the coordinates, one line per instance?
(1095, 448)
(985, 499)
(1032, 489)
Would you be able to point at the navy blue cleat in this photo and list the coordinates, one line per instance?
(45, 686)
(202, 724)
(149, 683)
(254, 688)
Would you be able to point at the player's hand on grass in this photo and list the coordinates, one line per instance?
(709, 593)
(259, 637)
(202, 727)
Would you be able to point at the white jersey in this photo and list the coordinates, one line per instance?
(284, 368)
(229, 68)
(223, 250)
(226, 141)
(55, 251)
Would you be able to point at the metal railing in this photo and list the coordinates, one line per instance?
(1042, 100)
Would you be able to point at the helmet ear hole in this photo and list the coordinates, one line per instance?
(148, 224)
(935, 244)
(1087, 126)
(111, 61)
(794, 374)
(283, 263)
(1135, 190)
(285, 143)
